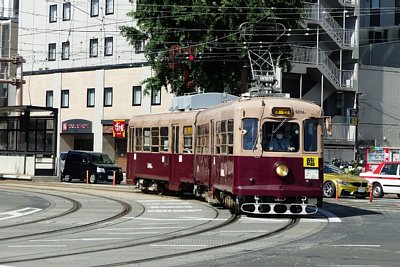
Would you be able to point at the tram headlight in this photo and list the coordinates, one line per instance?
(282, 170)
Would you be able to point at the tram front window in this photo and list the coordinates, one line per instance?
(280, 136)
(310, 135)
(250, 131)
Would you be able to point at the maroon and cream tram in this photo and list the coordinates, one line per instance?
(255, 155)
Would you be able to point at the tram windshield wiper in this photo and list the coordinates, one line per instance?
(279, 126)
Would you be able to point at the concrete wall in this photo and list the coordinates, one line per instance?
(379, 105)
(17, 164)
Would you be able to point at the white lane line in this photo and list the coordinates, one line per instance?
(130, 233)
(36, 246)
(137, 228)
(245, 231)
(175, 219)
(171, 207)
(17, 213)
(178, 245)
(331, 217)
(313, 220)
(367, 246)
(173, 211)
(78, 239)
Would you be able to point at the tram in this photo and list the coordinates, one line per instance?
(253, 155)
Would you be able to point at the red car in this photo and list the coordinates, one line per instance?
(385, 179)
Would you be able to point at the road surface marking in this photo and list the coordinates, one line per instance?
(17, 213)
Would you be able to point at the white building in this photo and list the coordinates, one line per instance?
(77, 61)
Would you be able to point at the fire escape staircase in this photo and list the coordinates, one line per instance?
(318, 14)
(315, 57)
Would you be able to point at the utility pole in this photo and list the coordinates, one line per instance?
(16, 78)
(356, 104)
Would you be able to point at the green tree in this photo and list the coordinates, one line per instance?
(217, 32)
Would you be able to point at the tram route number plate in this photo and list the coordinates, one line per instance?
(312, 174)
(310, 162)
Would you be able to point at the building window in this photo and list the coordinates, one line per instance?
(108, 46)
(90, 97)
(64, 98)
(52, 52)
(93, 47)
(397, 14)
(136, 95)
(108, 96)
(49, 99)
(66, 11)
(53, 13)
(375, 4)
(94, 8)
(65, 51)
(139, 47)
(156, 96)
(109, 7)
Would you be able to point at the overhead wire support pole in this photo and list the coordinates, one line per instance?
(13, 79)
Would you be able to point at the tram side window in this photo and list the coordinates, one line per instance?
(230, 137)
(203, 139)
(139, 139)
(146, 139)
(218, 137)
(187, 139)
(131, 137)
(155, 139)
(250, 130)
(224, 137)
(280, 136)
(164, 138)
(310, 135)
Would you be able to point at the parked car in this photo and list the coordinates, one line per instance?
(98, 166)
(347, 184)
(385, 179)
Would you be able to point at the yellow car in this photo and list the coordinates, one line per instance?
(347, 184)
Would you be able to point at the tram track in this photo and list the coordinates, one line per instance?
(292, 222)
(99, 249)
(130, 244)
(76, 206)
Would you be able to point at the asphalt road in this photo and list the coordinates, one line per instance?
(58, 224)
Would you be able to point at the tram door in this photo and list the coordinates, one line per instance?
(174, 159)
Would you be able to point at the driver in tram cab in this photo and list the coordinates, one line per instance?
(279, 142)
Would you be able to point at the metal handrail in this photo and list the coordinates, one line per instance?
(315, 56)
(319, 13)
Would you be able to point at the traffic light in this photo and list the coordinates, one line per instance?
(192, 57)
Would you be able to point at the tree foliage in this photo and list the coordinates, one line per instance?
(217, 32)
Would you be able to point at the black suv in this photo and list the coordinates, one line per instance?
(98, 165)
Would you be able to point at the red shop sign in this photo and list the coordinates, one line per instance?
(119, 128)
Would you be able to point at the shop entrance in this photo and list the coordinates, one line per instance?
(83, 142)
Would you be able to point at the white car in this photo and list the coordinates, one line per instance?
(385, 179)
